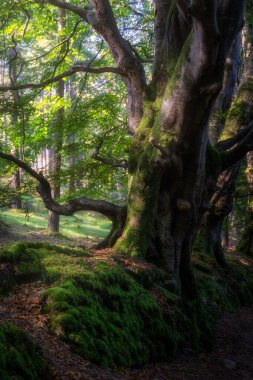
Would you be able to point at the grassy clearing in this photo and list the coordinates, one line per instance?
(80, 225)
(115, 316)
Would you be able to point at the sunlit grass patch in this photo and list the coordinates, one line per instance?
(81, 225)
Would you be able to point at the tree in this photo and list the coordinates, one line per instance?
(173, 169)
(55, 158)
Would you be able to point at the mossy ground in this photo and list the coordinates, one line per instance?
(20, 358)
(118, 314)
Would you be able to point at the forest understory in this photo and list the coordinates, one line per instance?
(227, 356)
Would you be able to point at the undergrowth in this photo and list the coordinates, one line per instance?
(116, 316)
(20, 358)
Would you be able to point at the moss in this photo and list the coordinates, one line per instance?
(20, 358)
(119, 315)
(109, 318)
(178, 67)
(48, 262)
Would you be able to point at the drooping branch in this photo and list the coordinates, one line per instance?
(108, 209)
(67, 73)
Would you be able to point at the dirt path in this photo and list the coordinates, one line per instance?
(231, 358)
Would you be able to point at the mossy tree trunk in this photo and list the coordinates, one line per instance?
(168, 156)
(246, 243)
(221, 206)
(239, 115)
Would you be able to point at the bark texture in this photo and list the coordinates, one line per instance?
(168, 156)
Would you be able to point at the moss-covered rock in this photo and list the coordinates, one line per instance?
(20, 358)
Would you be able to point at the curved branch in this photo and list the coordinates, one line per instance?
(113, 162)
(229, 143)
(108, 209)
(237, 152)
(82, 12)
(73, 70)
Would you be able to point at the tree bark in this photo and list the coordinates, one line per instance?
(168, 156)
(246, 243)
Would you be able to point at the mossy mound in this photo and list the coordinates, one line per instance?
(29, 261)
(117, 313)
(111, 319)
(20, 358)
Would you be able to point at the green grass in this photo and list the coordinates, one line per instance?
(80, 225)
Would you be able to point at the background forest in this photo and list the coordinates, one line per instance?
(126, 183)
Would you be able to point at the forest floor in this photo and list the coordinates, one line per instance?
(231, 357)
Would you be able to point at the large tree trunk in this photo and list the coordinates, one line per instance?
(171, 164)
(168, 156)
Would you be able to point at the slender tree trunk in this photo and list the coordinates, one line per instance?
(16, 185)
(16, 181)
(55, 151)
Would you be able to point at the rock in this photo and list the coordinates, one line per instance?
(229, 364)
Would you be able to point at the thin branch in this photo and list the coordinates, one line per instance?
(73, 70)
(115, 163)
(82, 12)
(66, 40)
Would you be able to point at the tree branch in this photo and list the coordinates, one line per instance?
(229, 143)
(120, 164)
(110, 210)
(82, 12)
(111, 162)
(237, 152)
(73, 70)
